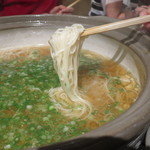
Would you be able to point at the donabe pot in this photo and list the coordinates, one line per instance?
(126, 46)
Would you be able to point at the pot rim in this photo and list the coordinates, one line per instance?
(135, 118)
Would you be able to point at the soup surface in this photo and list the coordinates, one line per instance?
(28, 117)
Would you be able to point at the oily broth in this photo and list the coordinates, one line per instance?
(112, 89)
(116, 90)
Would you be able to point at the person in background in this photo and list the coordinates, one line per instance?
(121, 9)
(24, 7)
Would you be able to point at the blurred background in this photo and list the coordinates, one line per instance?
(82, 8)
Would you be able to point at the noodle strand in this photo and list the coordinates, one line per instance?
(65, 47)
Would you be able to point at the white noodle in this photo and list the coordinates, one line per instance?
(65, 47)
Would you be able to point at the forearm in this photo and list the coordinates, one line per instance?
(116, 10)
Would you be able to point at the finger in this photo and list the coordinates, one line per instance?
(148, 11)
(139, 9)
(67, 10)
(56, 9)
(147, 26)
(143, 13)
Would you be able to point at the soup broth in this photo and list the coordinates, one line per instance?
(28, 117)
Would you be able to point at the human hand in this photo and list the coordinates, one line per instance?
(142, 11)
(61, 9)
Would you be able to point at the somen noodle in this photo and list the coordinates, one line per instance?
(65, 47)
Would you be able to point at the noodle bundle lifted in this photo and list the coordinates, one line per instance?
(65, 48)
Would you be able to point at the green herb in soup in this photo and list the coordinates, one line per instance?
(28, 117)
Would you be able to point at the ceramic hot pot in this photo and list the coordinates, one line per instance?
(127, 46)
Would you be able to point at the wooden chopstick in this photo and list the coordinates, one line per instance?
(72, 4)
(116, 25)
